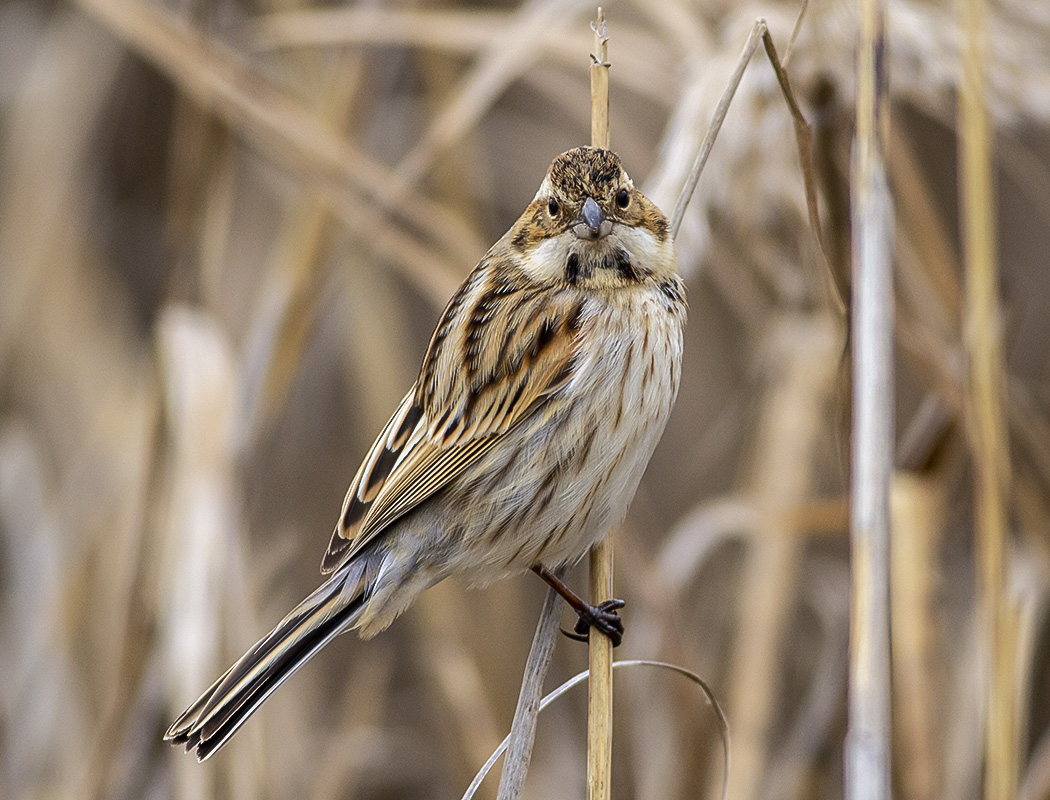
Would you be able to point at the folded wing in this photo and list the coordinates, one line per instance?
(492, 362)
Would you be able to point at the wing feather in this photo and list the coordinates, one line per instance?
(492, 362)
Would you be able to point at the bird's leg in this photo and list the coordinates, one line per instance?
(602, 617)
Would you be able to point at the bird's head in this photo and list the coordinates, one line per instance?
(588, 225)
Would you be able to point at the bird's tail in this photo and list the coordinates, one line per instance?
(219, 712)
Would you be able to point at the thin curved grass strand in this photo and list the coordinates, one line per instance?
(723, 724)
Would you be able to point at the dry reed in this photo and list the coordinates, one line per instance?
(868, 727)
(599, 648)
(986, 423)
(225, 233)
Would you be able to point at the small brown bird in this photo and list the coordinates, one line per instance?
(542, 395)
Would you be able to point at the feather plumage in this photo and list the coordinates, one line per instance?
(542, 394)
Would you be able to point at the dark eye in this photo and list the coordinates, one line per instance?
(552, 207)
(623, 199)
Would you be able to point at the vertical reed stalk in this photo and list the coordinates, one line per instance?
(987, 427)
(919, 503)
(788, 422)
(599, 701)
(867, 758)
(523, 729)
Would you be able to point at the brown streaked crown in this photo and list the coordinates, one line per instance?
(587, 172)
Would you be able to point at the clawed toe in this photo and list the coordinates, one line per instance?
(576, 637)
(603, 618)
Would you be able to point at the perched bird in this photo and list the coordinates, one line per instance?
(542, 395)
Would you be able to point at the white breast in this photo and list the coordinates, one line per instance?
(567, 474)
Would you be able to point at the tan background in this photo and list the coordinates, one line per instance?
(226, 232)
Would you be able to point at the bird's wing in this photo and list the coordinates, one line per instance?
(495, 358)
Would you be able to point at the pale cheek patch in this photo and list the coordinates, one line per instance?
(549, 259)
(646, 252)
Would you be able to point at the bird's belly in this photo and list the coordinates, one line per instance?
(569, 471)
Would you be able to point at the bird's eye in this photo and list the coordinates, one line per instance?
(552, 207)
(623, 198)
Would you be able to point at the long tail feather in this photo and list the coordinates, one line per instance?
(219, 712)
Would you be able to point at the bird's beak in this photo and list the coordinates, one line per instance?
(592, 222)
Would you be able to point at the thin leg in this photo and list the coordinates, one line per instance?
(602, 617)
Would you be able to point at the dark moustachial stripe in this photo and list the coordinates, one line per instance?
(624, 265)
(572, 269)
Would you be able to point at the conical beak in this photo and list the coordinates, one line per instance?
(592, 222)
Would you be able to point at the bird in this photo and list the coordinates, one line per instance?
(544, 390)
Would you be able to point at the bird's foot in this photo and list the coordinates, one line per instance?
(603, 618)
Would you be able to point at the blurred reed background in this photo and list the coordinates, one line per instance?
(226, 231)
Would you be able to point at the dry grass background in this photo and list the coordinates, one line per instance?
(226, 230)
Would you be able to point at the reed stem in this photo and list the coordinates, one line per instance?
(599, 700)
